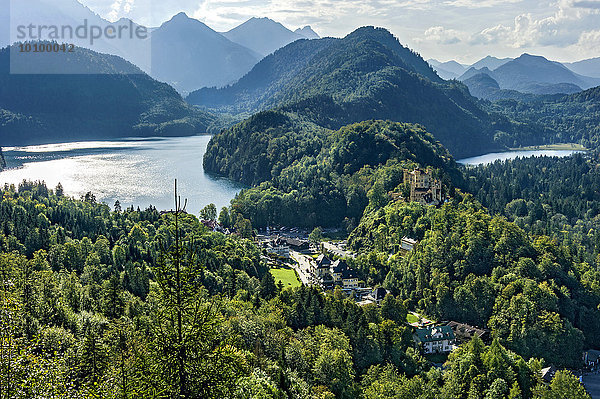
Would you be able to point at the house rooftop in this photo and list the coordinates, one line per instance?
(339, 266)
(379, 293)
(465, 330)
(409, 240)
(323, 261)
(430, 334)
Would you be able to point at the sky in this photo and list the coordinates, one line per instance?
(463, 30)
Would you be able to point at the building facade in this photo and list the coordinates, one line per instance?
(438, 339)
(423, 187)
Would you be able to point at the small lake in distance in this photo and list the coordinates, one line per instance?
(137, 172)
(503, 156)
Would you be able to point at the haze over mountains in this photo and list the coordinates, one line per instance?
(527, 74)
(187, 54)
(264, 36)
(183, 51)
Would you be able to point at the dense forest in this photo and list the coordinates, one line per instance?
(321, 177)
(129, 303)
(87, 95)
(539, 298)
(545, 196)
(564, 119)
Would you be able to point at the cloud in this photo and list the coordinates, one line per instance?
(441, 35)
(589, 40)
(479, 3)
(120, 8)
(587, 4)
(561, 29)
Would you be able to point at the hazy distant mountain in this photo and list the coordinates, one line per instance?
(262, 35)
(535, 74)
(482, 85)
(590, 67)
(189, 55)
(116, 99)
(527, 69)
(447, 70)
(307, 32)
(490, 62)
(70, 13)
(474, 72)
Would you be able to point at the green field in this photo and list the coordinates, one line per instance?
(411, 318)
(286, 276)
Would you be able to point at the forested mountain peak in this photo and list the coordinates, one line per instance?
(411, 59)
(291, 72)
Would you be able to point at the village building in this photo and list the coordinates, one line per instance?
(297, 244)
(464, 332)
(213, 225)
(548, 374)
(378, 295)
(350, 279)
(435, 339)
(322, 266)
(423, 187)
(336, 273)
(279, 247)
(407, 244)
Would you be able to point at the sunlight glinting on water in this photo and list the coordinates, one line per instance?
(138, 173)
(503, 156)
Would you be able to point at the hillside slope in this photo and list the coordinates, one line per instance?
(117, 100)
(325, 176)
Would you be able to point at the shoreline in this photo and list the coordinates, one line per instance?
(551, 147)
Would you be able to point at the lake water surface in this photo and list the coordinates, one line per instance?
(137, 172)
(503, 156)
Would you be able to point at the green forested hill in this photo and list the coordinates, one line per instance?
(284, 75)
(366, 75)
(323, 177)
(538, 298)
(115, 99)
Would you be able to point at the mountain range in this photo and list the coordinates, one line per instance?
(525, 74)
(183, 51)
(329, 83)
(530, 74)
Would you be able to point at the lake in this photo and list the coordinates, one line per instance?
(503, 156)
(137, 172)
